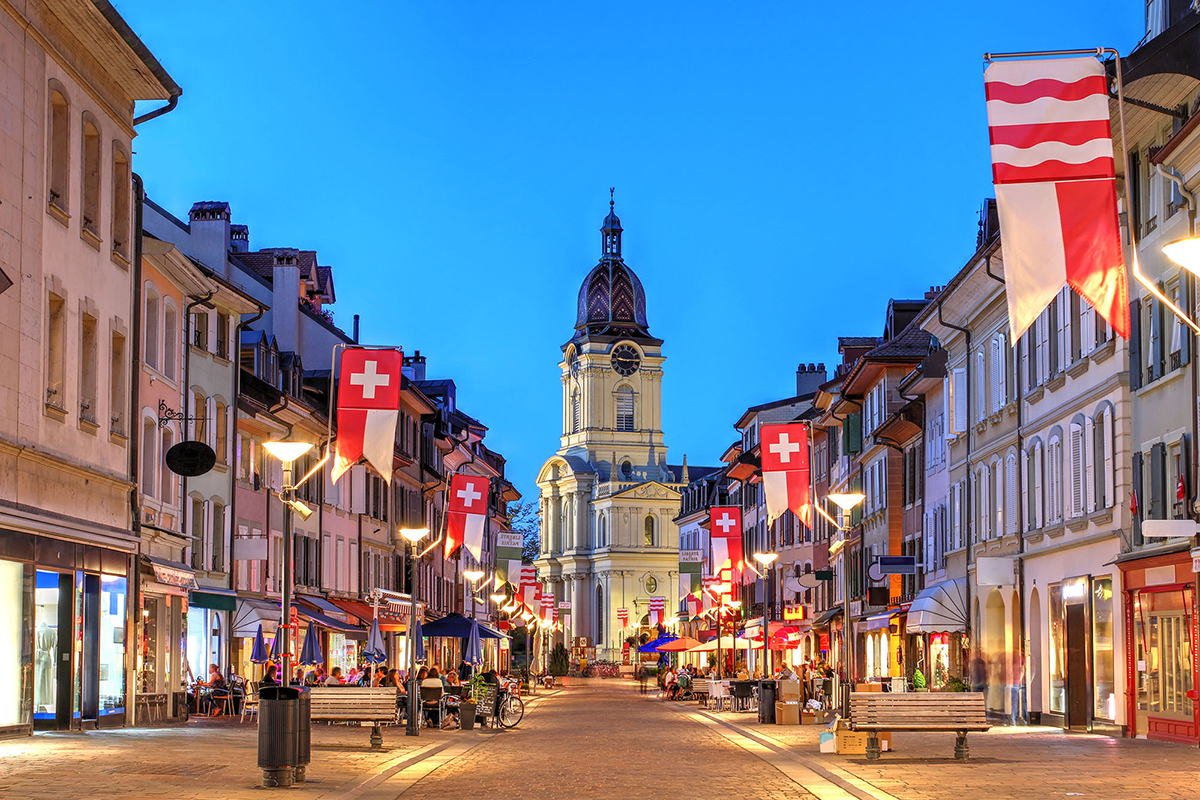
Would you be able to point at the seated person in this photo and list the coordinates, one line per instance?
(335, 677)
(218, 690)
(271, 678)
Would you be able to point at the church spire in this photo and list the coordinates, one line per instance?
(611, 231)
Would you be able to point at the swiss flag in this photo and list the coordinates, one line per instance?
(785, 471)
(368, 408)
(725, 532)
(468, 514)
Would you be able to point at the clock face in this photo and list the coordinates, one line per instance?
(625, 360)
(651, 585)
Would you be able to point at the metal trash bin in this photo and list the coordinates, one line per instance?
(304, 734)
(766, 702)
(278, 734)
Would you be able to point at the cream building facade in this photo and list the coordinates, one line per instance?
(608, 498)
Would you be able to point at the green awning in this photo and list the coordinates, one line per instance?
(215, 599)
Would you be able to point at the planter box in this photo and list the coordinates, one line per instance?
(466, 715)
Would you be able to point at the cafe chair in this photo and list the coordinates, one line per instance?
(433, 699)
(250, 701)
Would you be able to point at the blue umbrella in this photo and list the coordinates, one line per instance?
(258, 653)
(374, 651)
(419, 640)
(310, 653)
(275, 643)
(473, 652)
(456, 626)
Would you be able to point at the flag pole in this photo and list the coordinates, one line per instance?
(1134, 269)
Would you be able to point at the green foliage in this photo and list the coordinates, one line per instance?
(560, 664)
(523, 518)
(477, 687)
(956, 685)
(918, 679)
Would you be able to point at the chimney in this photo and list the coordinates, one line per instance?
(209, 225)
(356, 328)
(239, 239)
(809, 378)
(414, 366)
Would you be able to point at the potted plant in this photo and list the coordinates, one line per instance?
(956, 685)
(560, 663)
(469, 706)
(919, 681)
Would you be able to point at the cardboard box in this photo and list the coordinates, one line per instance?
(787, 713)
(868, 687)
(828, 742)
(788, 689)
(851, 743)
(811, 718)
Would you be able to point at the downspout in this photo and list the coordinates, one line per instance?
(235, 355)
(967, 499)
(187, 390)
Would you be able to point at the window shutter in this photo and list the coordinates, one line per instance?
(1135, 345)
(1087, 325)
(1140, 496)
(1010, 496)
(1158, 486)
(1055, 318)
(1039, 499)
(1076, 469)
(958, 392)
(1185, 473)
(856, 513)
(1154, 351)
(1110, 448)
(1074, 330)
(1026, 369)
(1185, 334)
(1043, 347)
(852, 434)
(1026, 500)
(997, 371)
(1089, 465)
(981, 386)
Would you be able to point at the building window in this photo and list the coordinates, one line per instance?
(222, 431)
(625, 409)
(150, 325)
(55, 351)
(60, 158)
(649, 531)
(200, 330)
(91, 176)
(116, 371)
(218, 537)
(1054, 483)
(197, 533)
(223, 335)
(575, 415)
(149, 440)
(87, 368)
(170, 348)
(122, 187)
(167, 494)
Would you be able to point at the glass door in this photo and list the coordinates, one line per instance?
(52, 650)
(1163, 634)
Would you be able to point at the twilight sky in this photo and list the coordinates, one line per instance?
(782, 170)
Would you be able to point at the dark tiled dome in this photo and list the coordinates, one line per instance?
(611, 300)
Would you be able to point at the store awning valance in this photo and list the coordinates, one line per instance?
(216, 599)
(250, 613)
(877, 622)
(335, 625)
(941, 608)
(171, 573)
(823, 619)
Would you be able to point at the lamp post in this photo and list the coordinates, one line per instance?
(412, 536)
(766, 559)
(287, 453)
(846, 501)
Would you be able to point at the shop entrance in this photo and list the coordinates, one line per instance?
(52, 650)
(1077, 666)
(100, 666)
(1163, 631)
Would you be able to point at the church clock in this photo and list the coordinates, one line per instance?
(625, 360)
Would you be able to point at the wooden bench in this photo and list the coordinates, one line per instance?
(355, 704)
(960, 712)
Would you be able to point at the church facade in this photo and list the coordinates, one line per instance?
(608, 497)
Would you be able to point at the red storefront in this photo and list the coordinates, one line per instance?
(1161, 666)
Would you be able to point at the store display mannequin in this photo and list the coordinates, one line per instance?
(43, 660)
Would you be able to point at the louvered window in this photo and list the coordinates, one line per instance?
(1077, 471)
(575, 414)
(625, 410)
(1010, 493)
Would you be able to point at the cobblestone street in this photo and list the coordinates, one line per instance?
(599, 741)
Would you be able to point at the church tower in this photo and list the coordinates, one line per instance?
(608, 498)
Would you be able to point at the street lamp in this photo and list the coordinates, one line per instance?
(287, 453)
(412, 536)
(846, 501)
(766, 559)
(473, 575)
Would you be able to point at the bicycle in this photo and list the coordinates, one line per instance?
(510, 709)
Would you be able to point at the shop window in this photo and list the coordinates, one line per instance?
(1163, 625)
(1058, 653)
(13, 634)
(112, 645)
(1104, 680)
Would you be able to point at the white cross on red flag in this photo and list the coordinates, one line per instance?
(725, 533)
(1055, 177)
(467, 514)
(368, 408)
(785, 471)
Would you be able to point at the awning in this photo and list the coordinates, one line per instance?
(216, 599)
(497, 631)
(824, 618)
(336, 625)
(322, 605)
(877, 622)
(392, 618)
(171, 573)
(941, 608)
(252, 612)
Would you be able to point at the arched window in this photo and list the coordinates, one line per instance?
(1054, 482)
(169, 340)
(122, 187)
(626, 469)
(625, 409)
(91, 176)
(999, 388)
(167, 494)
(649, 531)
(996, 526)
(601, 528)
(575, 414)
(60, 153)
(982, 507)
(150, 325)
(149, 440)
(1010, 492)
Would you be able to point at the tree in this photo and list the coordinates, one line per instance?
(560, 664)
(523, 518)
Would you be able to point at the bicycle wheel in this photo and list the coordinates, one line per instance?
(512, 710)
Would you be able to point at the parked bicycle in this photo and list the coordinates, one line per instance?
(510, 709)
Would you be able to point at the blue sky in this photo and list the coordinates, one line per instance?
(782, 170)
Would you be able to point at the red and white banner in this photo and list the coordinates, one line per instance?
(467, 515)
(1052, 163)
(623, 617)
(548, 606)
(368, 408)
(725, 533)
(528, 582)
(658, 608)
(785, 471)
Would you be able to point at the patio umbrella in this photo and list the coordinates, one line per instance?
(418, 640)
(275, 644)
(310, 653)
(727, 643)
(652, 647)
(473, 651)
(258, 653)
(680, 645)
(375, 651)
(456, 626)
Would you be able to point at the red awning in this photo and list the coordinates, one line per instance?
(391, 617)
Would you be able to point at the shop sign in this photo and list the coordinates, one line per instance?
(793, 613)
(825, 642)
(509, 539)
(564, 605)
(691, 556)
(1196, 559)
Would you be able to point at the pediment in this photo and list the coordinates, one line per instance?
(650, 490)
